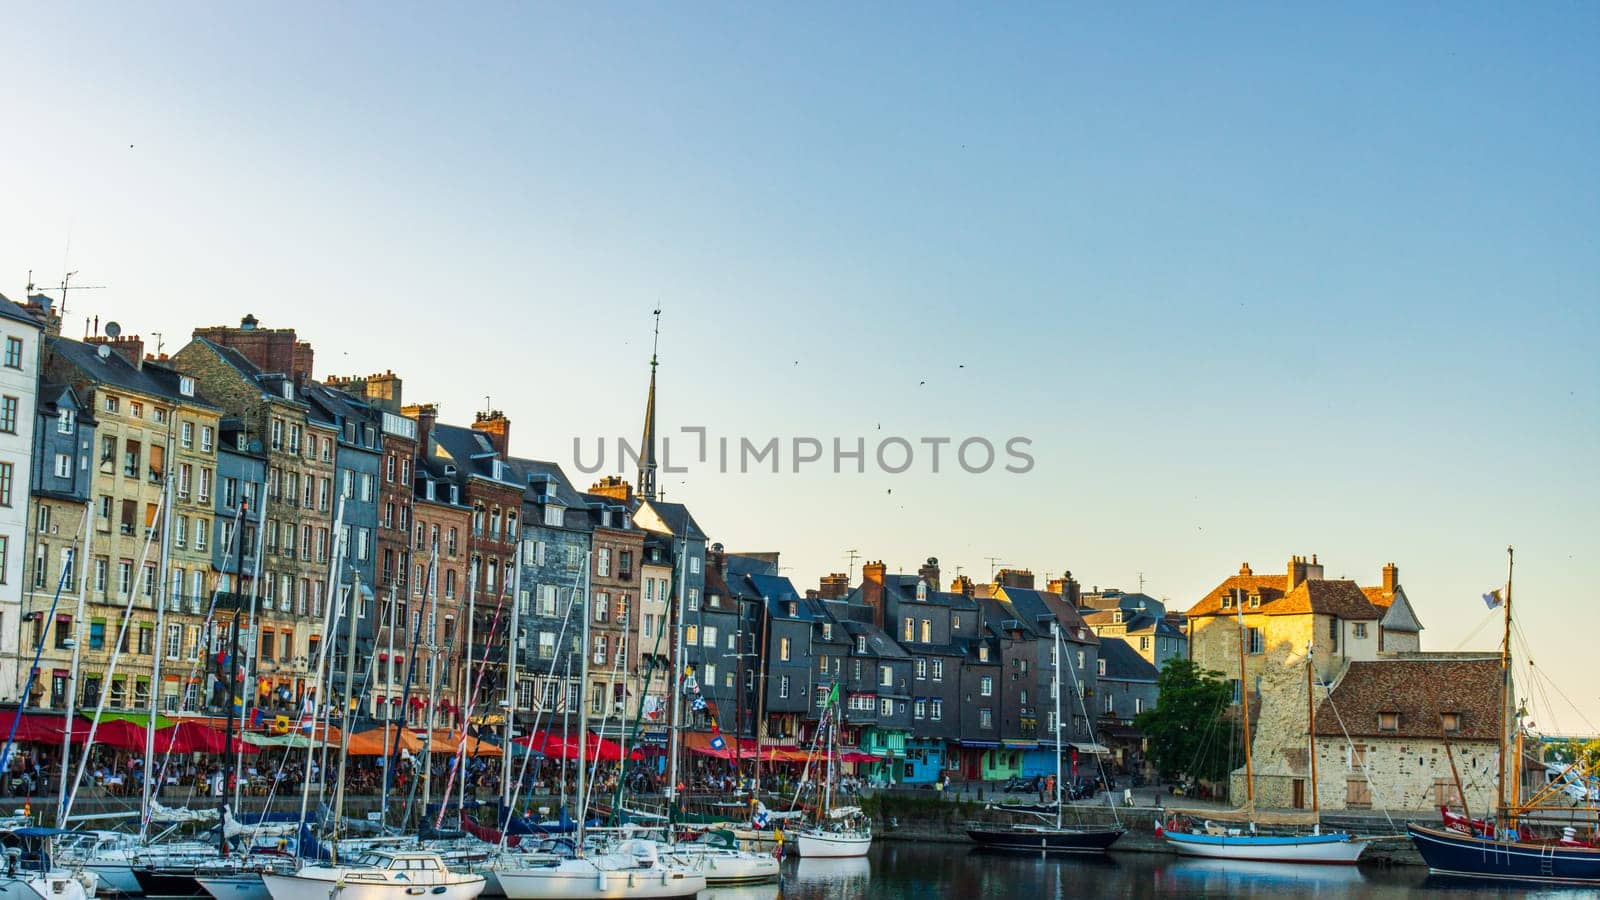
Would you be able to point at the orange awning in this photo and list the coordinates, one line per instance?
(373, 743)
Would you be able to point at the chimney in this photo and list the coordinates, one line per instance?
(1244, 569)
(834, 586)
(43, 310)
(1391, 578)
(1297, 573)
(498, 428)
(614, 488)
(1017, 578)
(1313, 569)
(930, 573)
(872, 575)
(383, 391)
(274, 350)
(962, 585)
(1070, 591)
(718, 559)
(426, 414)
(128, 346)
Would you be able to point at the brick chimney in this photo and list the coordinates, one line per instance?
(615, 488)
(426, 414)
(717, 559)
(872, 575)
(128, 346)
(930, 573)
(1297, 572)
(1069, 589)
(1391, 578)
(835, 586)
(276, 350)
(498, 428)
(43, 310)
(1017, 578)
(1244, 569)
(963, 585)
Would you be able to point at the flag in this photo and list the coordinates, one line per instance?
(256, 717)
(717, 743)
(1493, 599)
(833, 697)
(698, 704)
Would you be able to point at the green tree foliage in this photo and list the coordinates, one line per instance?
(1585, 753)
(1189, 731)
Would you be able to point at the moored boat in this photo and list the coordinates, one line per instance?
(376, 875)
(634, 869)
(1452, 853)
(1216, 842)
(1045, 838)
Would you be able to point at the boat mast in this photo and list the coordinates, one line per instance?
(72, 674)
(227, 733)
(513, 647)
(1061, 656)
(432, 618)
(1454, 772)
(161, 597)
(675, 738)
(469, 691)
(317, 680)
(1506, 719)
(388, 712)
(1311, 730)
(251, 666)
(580, 601)
(352, 610)
(1244, 697)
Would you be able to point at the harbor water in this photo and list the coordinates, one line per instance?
(912, 871)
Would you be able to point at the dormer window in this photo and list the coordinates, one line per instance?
(1227, 601)
(1388, 721)
(861, 643)
(1450, 722)
(186, 385)
(827, 635)
(983, 653)
(288, 390)
(792, 608)
(1116, 617)
(1255, 601)
(68, 421)
(1102, 668)
(922, 590)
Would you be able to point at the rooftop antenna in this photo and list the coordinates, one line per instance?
(851, 556)
(993, 560)
(159, 343)
(66, 285)
(1141, 582)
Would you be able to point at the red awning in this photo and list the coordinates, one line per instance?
(32, 726)
(855, 756)
(555, 747)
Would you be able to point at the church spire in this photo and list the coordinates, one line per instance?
(647, 444)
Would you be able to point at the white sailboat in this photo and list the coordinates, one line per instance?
(841, 832)
(377, 875)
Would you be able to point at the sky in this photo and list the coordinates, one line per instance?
(1250, 280)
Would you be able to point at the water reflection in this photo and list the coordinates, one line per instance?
(1235, 878)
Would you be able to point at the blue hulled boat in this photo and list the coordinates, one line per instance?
(1449, 852)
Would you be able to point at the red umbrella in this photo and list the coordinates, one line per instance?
(193, 737)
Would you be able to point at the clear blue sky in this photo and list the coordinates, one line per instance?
(1256, 280)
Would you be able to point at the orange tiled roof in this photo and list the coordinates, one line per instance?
(1418, 690)
(1327, 597)
(1268, 587)
(1378, 597)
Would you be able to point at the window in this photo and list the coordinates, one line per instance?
(885, 676)
(691, 635)
(13, 353)
(1359, 628)
(861, 643)
(986, 686)
(97, 634)
(5, 483)
(693, 601)
(936, 709)
(908, 629)
(1227, 600)
(1450, 722)
(206, 435)
(694, 565)
(822, 664)
(783, 649)
(1022, 698)
(554, 515)
(885, 707)
(1388, 721)
(1138, 705)
(67, 422)
(1358, 794)
(602, 607)
(1258, 642)
(1333, 634)
(1111, 704)
(8, 414)
(63, 465)
(783, 687)
(603, 563)
(983, 653)
(938, 670)
(927, 631)
(1102, 671)
(710, 636)
(174, 646)
(1144, 643)
(186, 435)
(985, 718)
(922, 669)
(113, 403)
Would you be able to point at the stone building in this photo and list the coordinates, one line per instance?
(1280, 618)
(1383, 730)
(1399, 631)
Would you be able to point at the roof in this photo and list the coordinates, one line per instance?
(676, 518)
(1324, 597)
(750, 565)
(1123, 663)
(1419, 689)
(11, 310)
(878, 643)
(997, 612)
(1267, 587)
(115, 371)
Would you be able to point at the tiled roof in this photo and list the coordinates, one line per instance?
(115, 371)
(1419, 689)
(677, 518)
(1378, 597)
(878, 643)
(1268, 587)
(1330, 598)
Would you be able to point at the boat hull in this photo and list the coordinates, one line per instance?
(1456, 855)
(1047, 840)
(177, 881)
(244, 886)
(1322, 849)
(823, 845)
(565, 882)
(728, 868)
(115, 877)
(296, 887)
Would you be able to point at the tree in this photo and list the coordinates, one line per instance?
(1187, 732)
(1576, 750)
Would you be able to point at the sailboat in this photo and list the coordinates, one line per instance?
(838, 831)
(1040, 837)
(1469, 848)
(1214, 841)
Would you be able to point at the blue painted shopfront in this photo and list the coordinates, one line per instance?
(924, 761)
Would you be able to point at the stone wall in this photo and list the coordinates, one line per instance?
(1404, 774)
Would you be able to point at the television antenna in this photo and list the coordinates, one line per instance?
(851, 557)
(993, 564)
(66, 285)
